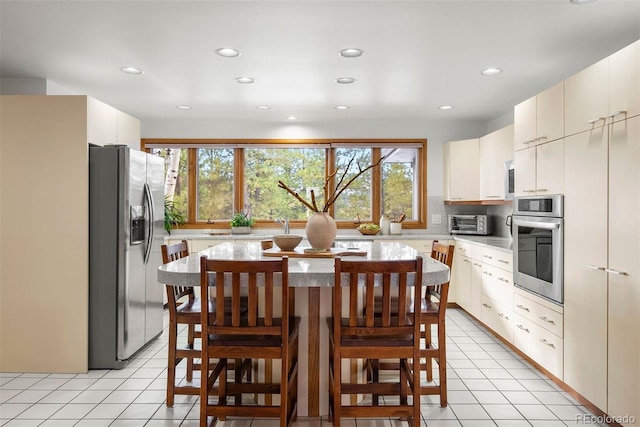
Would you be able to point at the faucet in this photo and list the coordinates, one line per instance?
(284, 223)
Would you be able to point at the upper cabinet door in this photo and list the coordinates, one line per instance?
(495, 149)
(550, 114)
(624, 83)
(587, 98)
(524, 120)
(464, 169)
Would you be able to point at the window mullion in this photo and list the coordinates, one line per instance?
(376, 187)
(238, 181)
(192, 183)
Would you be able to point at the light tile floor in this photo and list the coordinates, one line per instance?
(489, 385)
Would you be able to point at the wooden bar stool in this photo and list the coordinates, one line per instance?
(257, 333)
(393, 334)
(186, 312)
(433, 311)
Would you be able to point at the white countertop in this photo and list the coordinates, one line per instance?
(504, 244)
(303, 272)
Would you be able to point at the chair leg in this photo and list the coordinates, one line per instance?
(428, 345)
(442, 363)
(171, 361)
(190, 346)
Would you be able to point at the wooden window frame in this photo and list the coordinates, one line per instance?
(191, 145)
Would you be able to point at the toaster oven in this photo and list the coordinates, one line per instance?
(469, 224)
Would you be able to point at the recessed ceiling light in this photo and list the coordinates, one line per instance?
(263, 107)
(491, 71)
(446, 107)
(291, 118)
(183, 107)
(345, 80)
(227, 52)
(132, 70)
(582, 1)
(351, 52)
(245, 80)
(342, 107)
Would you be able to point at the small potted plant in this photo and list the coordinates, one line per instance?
(241, 223)
(172, 216)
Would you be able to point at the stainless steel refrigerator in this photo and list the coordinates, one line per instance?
(126, 217)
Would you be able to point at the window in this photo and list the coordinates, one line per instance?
(355, 201)
(399, 182)
(214, 183)
(176, 185)
(213, 179)
(302, 169)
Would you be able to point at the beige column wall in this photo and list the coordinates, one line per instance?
(43, 234)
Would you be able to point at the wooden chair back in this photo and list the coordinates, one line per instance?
(443, 253)
(173, 253)
(363, 278)
(243, 316)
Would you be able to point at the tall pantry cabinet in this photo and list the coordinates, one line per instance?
(602, 236)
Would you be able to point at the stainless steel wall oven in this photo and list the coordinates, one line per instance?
(538, 245)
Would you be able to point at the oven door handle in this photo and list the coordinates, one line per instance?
(535, 224)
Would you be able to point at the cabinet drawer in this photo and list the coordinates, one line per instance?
(498, 259)
(468, 249)
(543, 316)
(498, 317)
(197, 245)
(539, 344)
(497, 284)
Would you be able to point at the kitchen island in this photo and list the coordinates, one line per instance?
(313, 279)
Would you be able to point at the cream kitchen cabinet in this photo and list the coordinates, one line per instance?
(605, 92)
(539, 119)
(538, 330)
(539, 170)
(495, 149)
(466, 276)
(498, 317)
(463, 170)
(602, 254)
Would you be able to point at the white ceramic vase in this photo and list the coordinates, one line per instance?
(321, 230)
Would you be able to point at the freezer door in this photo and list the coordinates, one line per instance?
(131, 290)
(155, 238)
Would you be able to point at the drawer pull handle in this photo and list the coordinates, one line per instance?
(493, 197)
(593, 121)
(486, 305)
(547, 320)
(541, 138)
(595, 267)
(503, 261)
(523, 328)
(487, 256)
(619, 273)
(466, 260)
(542, 189)
(487, 273)
(528, 191)
(615, 113)
(477, 264)
(502, 315)
(522, 307)
(502, 279)
(543, 341)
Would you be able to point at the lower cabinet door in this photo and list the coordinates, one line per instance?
(498, 317)
(539, 344)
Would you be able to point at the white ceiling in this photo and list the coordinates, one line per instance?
(418, 55)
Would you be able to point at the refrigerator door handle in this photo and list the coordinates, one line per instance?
(149, 198)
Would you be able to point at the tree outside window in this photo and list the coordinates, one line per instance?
(215, 184)
(302, 168)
